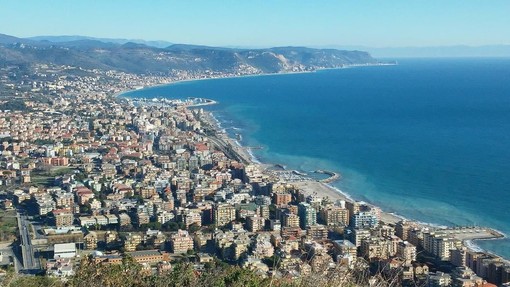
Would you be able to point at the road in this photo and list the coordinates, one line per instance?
(27, 249)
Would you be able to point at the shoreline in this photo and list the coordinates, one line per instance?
(121, 93)
(223, 140)
(309, 185)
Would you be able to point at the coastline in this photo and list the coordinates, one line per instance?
(309, 186)
(313, 186)
(214, 77)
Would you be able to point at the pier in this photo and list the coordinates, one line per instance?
(472, 233)
(333, 176)
(254, 147)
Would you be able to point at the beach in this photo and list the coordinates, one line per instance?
(307, 186)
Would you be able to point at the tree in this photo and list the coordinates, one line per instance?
(170, 226)
(127, 273)
(154, 225)
(35, 281)
(80, 176)
(193, 228)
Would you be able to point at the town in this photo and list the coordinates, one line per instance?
(88, 175)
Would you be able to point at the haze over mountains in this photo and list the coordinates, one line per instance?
(71, 38)
(395, 52)
(432, 51)
(140, 58)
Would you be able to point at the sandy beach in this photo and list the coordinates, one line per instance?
(309, 187)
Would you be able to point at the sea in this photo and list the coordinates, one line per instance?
(427, 139)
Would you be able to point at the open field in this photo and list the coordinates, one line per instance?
(8, 225)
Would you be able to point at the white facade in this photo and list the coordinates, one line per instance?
(64, 250)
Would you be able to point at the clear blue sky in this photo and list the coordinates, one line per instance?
(383, 23)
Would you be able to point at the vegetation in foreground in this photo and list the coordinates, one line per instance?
(130, 273)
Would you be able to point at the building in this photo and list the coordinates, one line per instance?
(45, 204)
(63, 217)
(364, 220)
(90, 240)
(55, 161)
(357, 235)
(181, 242)
(124, 219)
(224, 214)
(149, 256)
(101, 220)
(377, 248)
(110, 237)
(307, 215)
(263, 211)
(142, 218)
(438, 279)
(440, 244)
(147, 191)
(458, 256)
(165, 216)
(164, 268)
(290, 220)
(87, 220)
(317, 232)
(353, 207)
(402, 229)
(406, 251)
(465, 277)
(262, 248)
(334, 216)
(275, 225)
(64, 199)
(255, 223)
(344, 247)
(282, 198)
(192, 217)
(112, 219)
(64, 250)
(132, 241)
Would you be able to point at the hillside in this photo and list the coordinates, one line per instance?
(139, 58)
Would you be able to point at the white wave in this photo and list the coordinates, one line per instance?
(253, 157)
(348, 196)
(471, 245)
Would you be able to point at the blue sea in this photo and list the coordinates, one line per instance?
(428, 139)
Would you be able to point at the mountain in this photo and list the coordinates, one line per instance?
(6, 39)
(61, 39)
(133, 57)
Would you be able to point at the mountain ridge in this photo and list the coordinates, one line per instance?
(119, 41)
(139, 58)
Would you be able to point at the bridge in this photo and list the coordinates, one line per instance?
(29, 261)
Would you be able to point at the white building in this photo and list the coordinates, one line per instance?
(165, 216)
(64, 250)
(112, 219)
(87, 220)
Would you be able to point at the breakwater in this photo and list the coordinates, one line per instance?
(333, 176)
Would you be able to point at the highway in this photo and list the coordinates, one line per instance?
(27, 249)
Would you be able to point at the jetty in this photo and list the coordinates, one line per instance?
(472, 233)
(254, 147)
(333, 176)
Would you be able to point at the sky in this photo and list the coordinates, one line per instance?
(258, 23)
